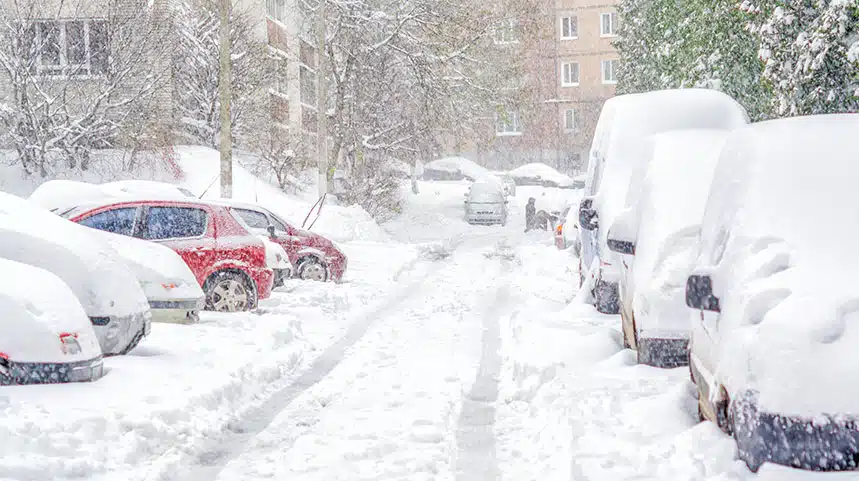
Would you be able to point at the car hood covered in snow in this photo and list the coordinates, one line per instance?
(636, 116)
(163, 275)
(103, 283)
(38, 310)
(668, 212)
(779, 240)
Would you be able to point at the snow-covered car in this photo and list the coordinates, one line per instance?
(541, 175)
(105, 286)
(170, 287)
(45, 335)
(567, 231)
(454, 168)
(619, 151)
(485, 203)
(657, 240)
(312, 256)
(774, 294)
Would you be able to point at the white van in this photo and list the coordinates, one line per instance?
(776, 303)
(619, 152)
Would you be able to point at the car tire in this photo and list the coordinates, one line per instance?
(229, 291)
(134, 342)
(606, 299)
(312, 269)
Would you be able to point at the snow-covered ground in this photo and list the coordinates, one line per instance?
(449, 352)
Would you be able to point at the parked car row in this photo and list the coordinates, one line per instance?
(121, 255)
(726, 246)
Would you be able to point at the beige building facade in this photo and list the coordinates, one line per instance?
(568, 70)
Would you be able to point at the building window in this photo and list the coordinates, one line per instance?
(276, 9)
(74, 47)
(609, 71)
(505, 32)
(280, 74)
(307, 80)
(608, 24)
(569, 28)
(569, 74)
(507, 123)
(570, 120)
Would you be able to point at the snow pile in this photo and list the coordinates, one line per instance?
(540, 173)
(454, 168)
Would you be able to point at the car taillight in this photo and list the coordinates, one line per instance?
(4, 363)
(560, 229)
(69, 343)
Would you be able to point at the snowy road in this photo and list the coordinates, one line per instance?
(451, 352)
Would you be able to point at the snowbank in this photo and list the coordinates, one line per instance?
(202, 166)
(540, 174)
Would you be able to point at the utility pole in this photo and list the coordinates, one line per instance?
(225, 93)
(321, 99)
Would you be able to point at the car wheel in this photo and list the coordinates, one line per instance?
(311, 269)
(228, 291)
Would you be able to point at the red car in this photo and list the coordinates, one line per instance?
(314, 257)
(228, 261)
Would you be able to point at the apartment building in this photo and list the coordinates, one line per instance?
(568, 71)
(288, 29)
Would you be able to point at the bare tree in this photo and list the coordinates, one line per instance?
(80, 75)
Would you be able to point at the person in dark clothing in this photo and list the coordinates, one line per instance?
(530, 210)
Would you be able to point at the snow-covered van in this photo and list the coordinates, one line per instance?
(45, 335)
(619, 151)
(170, 287)
(105, 286)
(657, 241)
(774, 294)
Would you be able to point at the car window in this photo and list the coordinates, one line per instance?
(118, 221)
(254, 219)
(278, 225)
(174, 223)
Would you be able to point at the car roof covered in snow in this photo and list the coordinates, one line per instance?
(103, 283)
(37, 307)
(633, 117)
(60, 195)
(778, 239)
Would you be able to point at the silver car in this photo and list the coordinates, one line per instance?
(486, 203)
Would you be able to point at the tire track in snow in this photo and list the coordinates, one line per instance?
(476, 457)
(207, 465)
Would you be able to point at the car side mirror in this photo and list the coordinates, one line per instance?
(588, 217)
(699, 294)
(270, 230)
(622, 233)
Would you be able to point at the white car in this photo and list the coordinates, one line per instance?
(658, 239)
(45, 335)
(170, 287)
(105, 286)
(775, 298)
(619, 153)
(485, 203)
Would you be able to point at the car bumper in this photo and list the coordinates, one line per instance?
(485, 219)
(264, 280)
(663, 352)
(52, 372)
(120, 332)
(184, 311)
(823, 444)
